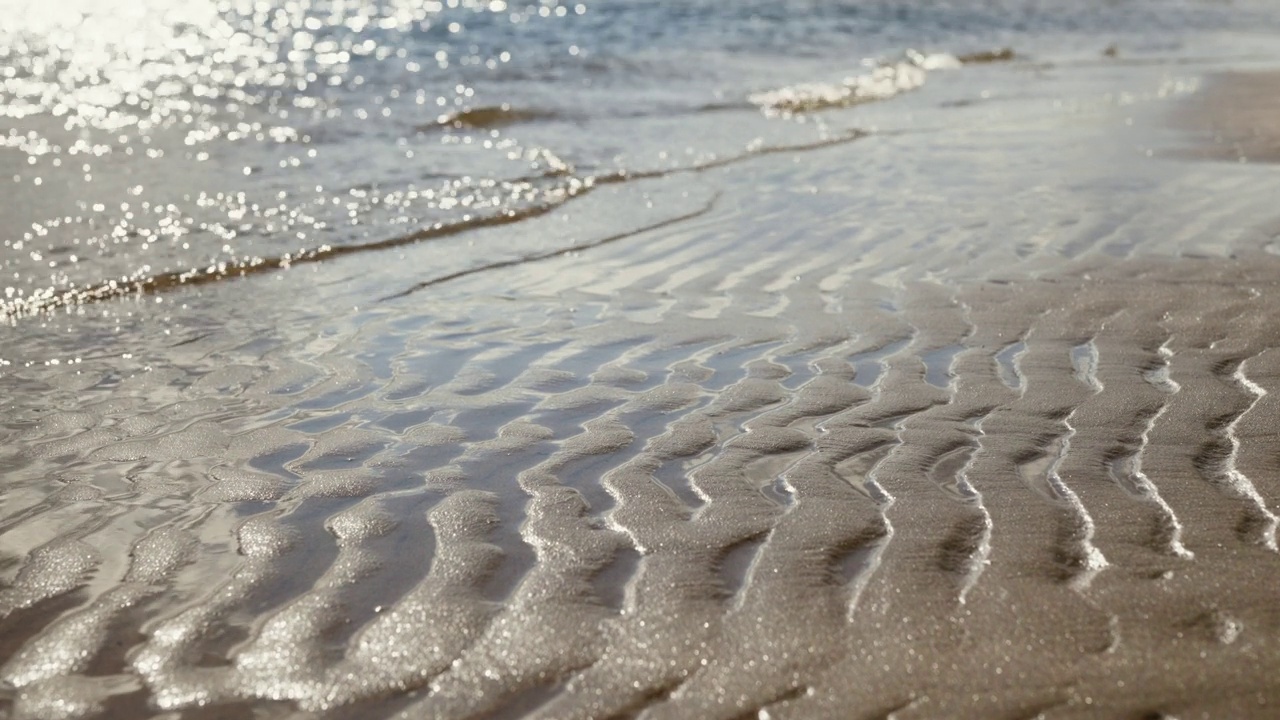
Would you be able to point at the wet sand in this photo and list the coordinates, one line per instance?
(1235, 118)
(929, 471)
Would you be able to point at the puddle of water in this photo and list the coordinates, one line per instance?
(870, 365)
(937, 365)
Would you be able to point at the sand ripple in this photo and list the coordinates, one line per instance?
(588, 516)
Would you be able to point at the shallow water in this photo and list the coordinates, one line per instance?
(562, 363)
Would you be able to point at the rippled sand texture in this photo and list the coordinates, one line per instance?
(927, 401)
(979, 498)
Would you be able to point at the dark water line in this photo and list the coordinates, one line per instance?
(555, 253)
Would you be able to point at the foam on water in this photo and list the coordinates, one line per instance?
(880, 82)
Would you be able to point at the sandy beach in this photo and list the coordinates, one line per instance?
(943, 390)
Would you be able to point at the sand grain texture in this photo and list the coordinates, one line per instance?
(891, 512)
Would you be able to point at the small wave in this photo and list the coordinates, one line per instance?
(885, 80)
(988, 56)
(491, 116)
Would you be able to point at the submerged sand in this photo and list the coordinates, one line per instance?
(721, 475)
